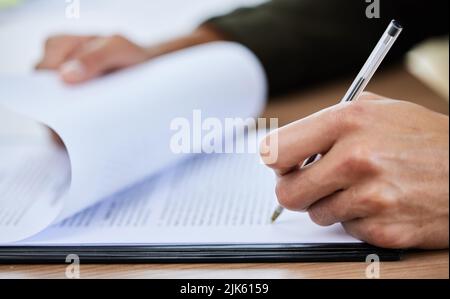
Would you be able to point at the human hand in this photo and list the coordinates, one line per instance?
(384, 173)
(81, 58)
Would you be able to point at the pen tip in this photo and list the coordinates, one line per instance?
(275, 216)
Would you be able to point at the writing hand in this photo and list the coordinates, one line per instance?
(384, 172)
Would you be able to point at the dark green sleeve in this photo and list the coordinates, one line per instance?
(301, 42)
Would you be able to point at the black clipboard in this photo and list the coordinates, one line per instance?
(217, 253)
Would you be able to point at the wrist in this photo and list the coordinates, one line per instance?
(202, 35)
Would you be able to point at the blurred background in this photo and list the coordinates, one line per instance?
(25, 24)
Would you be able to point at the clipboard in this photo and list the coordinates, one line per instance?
(217, 253)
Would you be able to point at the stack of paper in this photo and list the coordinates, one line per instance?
(119, 182)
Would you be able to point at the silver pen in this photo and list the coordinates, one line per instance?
(359, 84)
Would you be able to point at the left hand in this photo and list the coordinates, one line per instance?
(79, 58)
(384, 173)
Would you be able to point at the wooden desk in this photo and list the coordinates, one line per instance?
(418, 265)
(395, 83)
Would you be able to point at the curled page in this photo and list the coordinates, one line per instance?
(117, 128)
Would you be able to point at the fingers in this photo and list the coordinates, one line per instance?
(288, 147)
(95, 58)
(59, 48)
(79, 58)
(374, 231)
(344, 166)
(342, 206)
(306, 137)
(369, 96)
(348, 158)
(299, 189)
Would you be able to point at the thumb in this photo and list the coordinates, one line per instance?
(369, 96)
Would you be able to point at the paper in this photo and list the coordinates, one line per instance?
(223, 199)
(33, 178)
(117, 128)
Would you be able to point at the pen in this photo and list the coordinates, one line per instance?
(359, 84)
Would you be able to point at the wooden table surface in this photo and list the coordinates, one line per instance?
(418, 265)
(394, 83)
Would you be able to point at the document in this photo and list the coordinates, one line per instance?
(33, 178)
(118, 182)
(117, 128)
(211, 199)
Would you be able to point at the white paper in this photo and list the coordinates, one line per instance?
(33, 178)
(117, 128)
(224, 199)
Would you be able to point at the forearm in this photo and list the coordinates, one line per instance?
(202, 35)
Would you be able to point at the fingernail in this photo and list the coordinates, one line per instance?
(73, 70)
